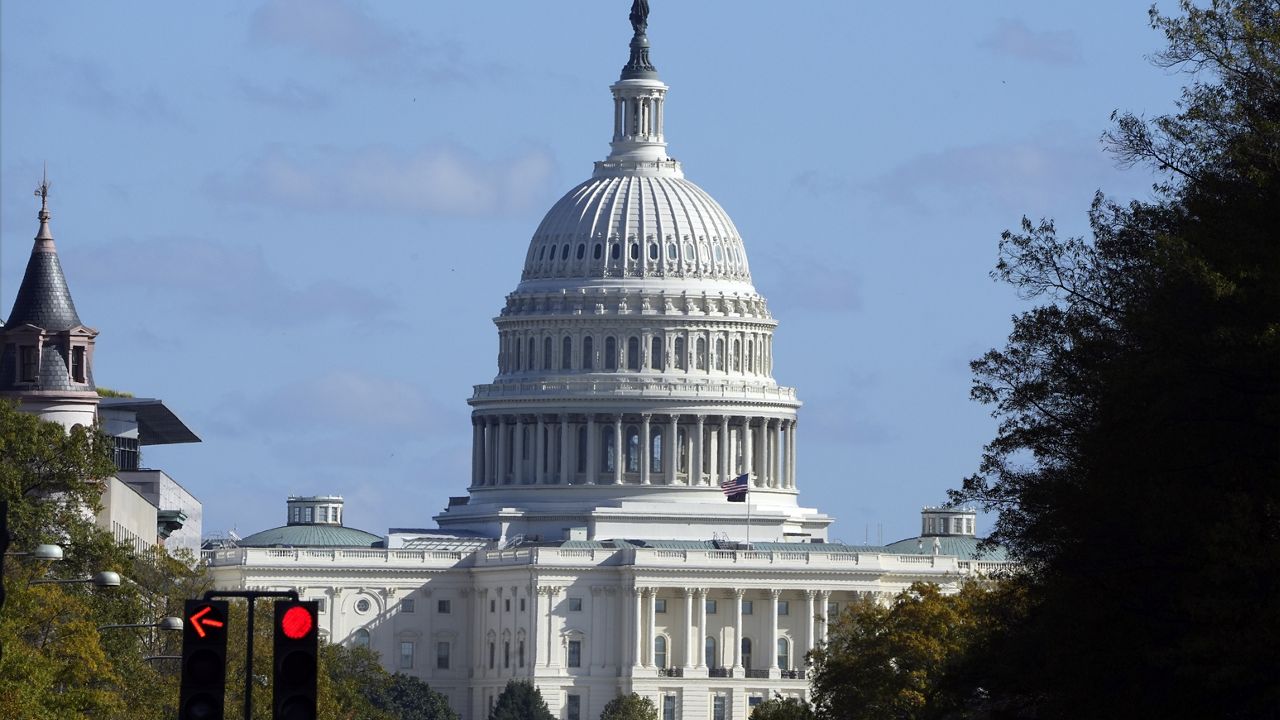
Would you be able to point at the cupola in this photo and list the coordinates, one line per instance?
(947, 521)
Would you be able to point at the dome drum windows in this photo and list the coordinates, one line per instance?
(588, 353)
(633, 353)
(610, 353)
(566, 353)
(582, 250)
(655, 355)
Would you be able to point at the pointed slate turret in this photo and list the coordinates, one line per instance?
(46, 353)
(43, 298)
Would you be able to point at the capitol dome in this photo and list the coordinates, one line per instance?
(634, 363)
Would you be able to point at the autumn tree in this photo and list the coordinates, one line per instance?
(631, 706)
(1136, 462)
(780, 708)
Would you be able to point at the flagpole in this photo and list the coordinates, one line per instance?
(748, 511)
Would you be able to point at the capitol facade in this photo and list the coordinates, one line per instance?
(595, 552)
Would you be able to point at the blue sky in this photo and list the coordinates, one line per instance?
(294, 220)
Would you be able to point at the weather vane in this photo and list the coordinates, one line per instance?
(42, 190)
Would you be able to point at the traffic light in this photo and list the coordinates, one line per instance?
(204, 660)
(293, 694)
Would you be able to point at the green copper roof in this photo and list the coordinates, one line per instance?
(961, 546)
(311, 536)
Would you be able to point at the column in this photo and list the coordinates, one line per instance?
(777, 454)
(618, 459)
(791, 456)
(477, 449)
(748, 460)
(701, 641)
(651, 625)
(772, 647)
(695, 468)
(824, 600)
(564, 449)
(637, 637)
(593, 446)
(517, 456)
(540, 451)
(809, 596)
(552, 641)
(644, 449)
(671, 450)
(490, 453)
(722, 448)
(737, 632)
(690, 629)
(502, 451)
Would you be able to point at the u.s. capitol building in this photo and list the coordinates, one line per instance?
(595, 552)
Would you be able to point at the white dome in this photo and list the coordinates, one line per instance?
(638, 226)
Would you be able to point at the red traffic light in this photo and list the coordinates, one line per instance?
(297, 622)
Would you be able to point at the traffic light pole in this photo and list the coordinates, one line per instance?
(252, 596)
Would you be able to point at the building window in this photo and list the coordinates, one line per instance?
(655, 451)
(443, 607)
(653, 251)
(588, 352)
(746, 653)
(30, 363)
(608, 458)
(660, 651)
(575, 604)
(709, 652)
(633, 353)
(655, 354)
(784, 607)
(521, 604)
(597, 251)
(582, 250)
(701, 354)
(406, 605)
(582, 448)
(493, 649)
(506, 654)
(633, 449)
(529, 358)
(753, 701)
(711, 606)
(573, 707)
(833, 609)
(737, 356)
(506, 605)
(575, 653)
(718, 707)
(659, 605)
(307, 515)
(127, 456)
(566, 353)
(546, 353)
(493, 605)
(363, 605)
(406, 655)
(520, 654)
(442, 656)
(784, 654)
(360, 638)
(668, 707)
(682, 359)
(720, 353)
(77, 363)
(321, 605)
(610, 353)
(747, 607)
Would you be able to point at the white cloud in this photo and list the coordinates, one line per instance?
(437, 180)
(1050, 47)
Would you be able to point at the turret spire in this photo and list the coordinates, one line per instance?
(42, 192)
(43, 298)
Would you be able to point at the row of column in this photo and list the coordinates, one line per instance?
(692, 655)
(637, 118)
(499, 456)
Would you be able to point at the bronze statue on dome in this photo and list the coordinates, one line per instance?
(640, 16)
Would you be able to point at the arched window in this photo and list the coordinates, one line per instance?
(701, 354)
(689, 255)
(719, 254)
(566, 353)
(635, 251)
(655, 354)
(672, 252)
(720, 353)
(633, 353)
(709, 651)
(746, 653)
(597, 251)
(518, 363)
(660, 651)
(582, 250)
(588, 354)
(633, 449)
(608, 459)
(615, 252)
(653, 251)
(737, 356)
(582, 448)
(360, 638)
(655, 450)
(784, 654)
(564, 252)
(682, 357)
(610, 353)
(546, 353)
(751, 366)
(528, 361)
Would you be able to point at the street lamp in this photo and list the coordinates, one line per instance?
(44, 551)
(104, 579)
(165, 623)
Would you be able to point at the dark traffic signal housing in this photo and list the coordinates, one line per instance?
(297, 646)
(204, 660)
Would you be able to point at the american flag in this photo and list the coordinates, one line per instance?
(736, 486)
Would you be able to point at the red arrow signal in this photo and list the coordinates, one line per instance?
(198, 619)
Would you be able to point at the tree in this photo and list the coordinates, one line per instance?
(520, 700)
(891, 661)
(1136, 460)
(408, 698)
(630, 707)
(780, 708)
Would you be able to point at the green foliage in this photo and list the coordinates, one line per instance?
(630, 707)
(1136, 461)
(520, 700)
(408, 698)
(109, 393)
(892, 661)
(780, 708)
